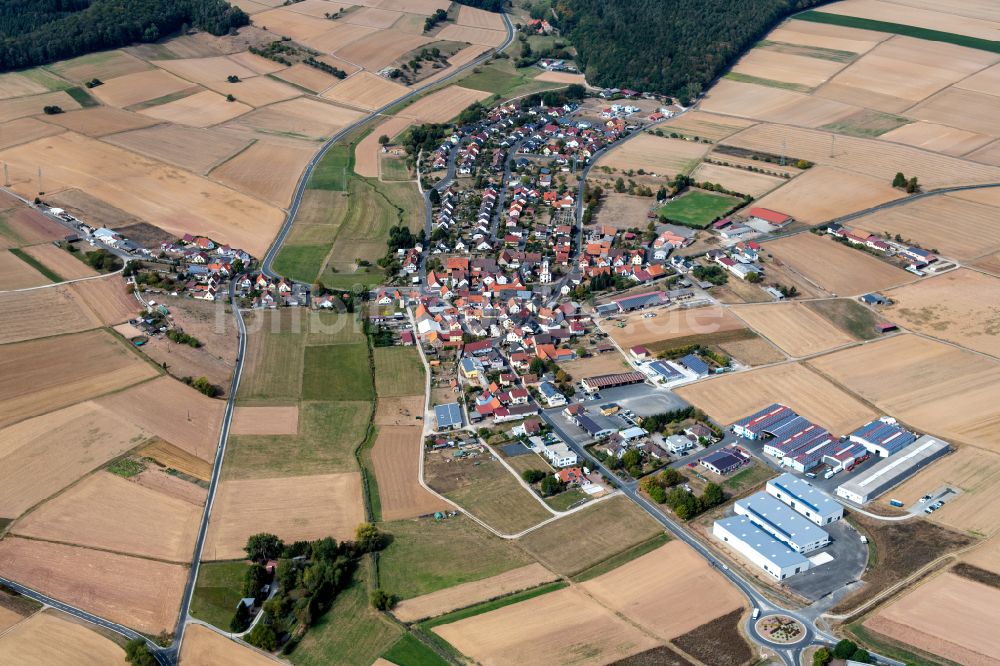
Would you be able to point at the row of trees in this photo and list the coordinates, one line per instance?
(668, 46)
(37, 32)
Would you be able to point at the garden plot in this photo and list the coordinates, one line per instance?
(93, 512)
(294, 508)
(841, 270)
(139, 593)
(731, 397)
(559, 627)
(848, 192)
(174, 200)
(662, 156)
(931, 386)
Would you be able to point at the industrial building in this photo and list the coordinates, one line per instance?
(640, 301)
(782, 523)
(893, 470)
(805, 498)
(594, 384)
(722, 462)
(883, 437)
(759, 547)
(760, 424)
(448, 416)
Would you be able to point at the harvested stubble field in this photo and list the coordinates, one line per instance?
(662, 156)
(298, 26)
(959, 306)
(807, 33)
(381, 48)
(901, 71)
(368, 150)
(294, 508)
(443, 105)
(365, 90)
(562, 77)
(69, 377)
(461, 33)
(479, 18)
(773, 104)
(469, 594)
(279, 420)
(731, 397)
(949, 615)
(939, 139)
(202, 647)
(612, 526)
(61, 262)
(273, 359)
(787, 68)
(105, 65)
(600, 364)
(268, 171)
(844, 192)
(167, 483)
(977, 474)
(798, 330)
(396, 458)
(484, 488)
(753, 352)
(841, 270)
(138, 87)
(13, 109)
(15, 273)
(737, 180)
(402, 411)
(565, 627)
(100, 120)
(623, 211)
(92, 513)
(307, 77)
(705, 125)
(139, 593)
(329, 432)
(165, 196)
(201, 109)
(170, 456)
(977, 110)
(338, 35)
(673, 575)
(41, 456)
(720, 641)
(398, 372)
(986, 556)
(24, 130)
(52, 638)
(171, 410)
(932, 386)
(671, 324)
(190, 148)
(302, 118)
(372, 17)
(871, 157)
(958, 228)
(106, 300)
(20, 225)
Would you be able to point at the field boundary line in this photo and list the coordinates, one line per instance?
(59, 284)
(122, 553)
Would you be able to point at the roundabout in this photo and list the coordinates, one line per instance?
(781, 630)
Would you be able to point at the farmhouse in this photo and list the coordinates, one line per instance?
(448, 416)
(781, 522)
(892, 471)
(883, 437)
(759, 547)
(805, 498)
(722, 462)
(594, 384)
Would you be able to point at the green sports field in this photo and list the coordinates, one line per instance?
(698, 208)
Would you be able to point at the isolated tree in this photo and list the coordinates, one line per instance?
(232, 78)
(551, 485)
(382, 600)
(912, 185)
(844, 649)
(822, 657)
(368, 537)
(263, 546)
(383, 140)
(230, 98)
(899, 180)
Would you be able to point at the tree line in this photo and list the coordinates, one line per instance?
(672, 47)
(37, 32)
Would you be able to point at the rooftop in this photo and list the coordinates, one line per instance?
(805, 493)
(897, 466)
(775, 552)
(448, 415)
(779, 518)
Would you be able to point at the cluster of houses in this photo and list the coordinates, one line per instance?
(741, 260)
(917, 258)
(262, 291)
(609, 251)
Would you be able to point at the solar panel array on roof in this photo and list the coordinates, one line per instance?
(791, 427)
(694, 364)
(765, 420)
(722, 460)
(804, 435)
(668, 372)
(887, 436)
(806, 459)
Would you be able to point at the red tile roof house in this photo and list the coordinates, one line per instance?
(571, 475)
(772, 217)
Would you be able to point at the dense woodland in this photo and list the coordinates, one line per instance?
(674, 47)
(36, 32)
(488, 5)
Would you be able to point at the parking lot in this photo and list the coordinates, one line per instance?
(642, 399)
(933, 501)
(849, 559)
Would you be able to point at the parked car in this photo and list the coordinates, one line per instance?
(925, 498)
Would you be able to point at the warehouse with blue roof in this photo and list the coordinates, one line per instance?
(780, 521)
(883, 437)
(805, 498)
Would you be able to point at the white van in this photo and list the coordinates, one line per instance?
(756, 613)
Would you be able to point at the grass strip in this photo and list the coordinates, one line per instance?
(624, 557)
(82, 97)
(37, 265)
(900, 29)
(411, 651)
(890, 648)
(770, 83)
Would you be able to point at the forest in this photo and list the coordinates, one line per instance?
(488, 5)
(674, 47)
(37, 32)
